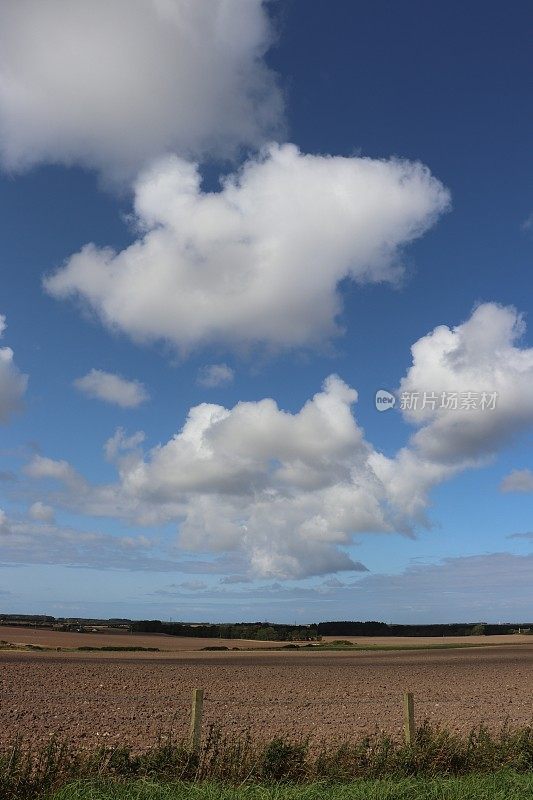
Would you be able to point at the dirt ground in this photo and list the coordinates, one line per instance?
(48, 638)
(132, 697)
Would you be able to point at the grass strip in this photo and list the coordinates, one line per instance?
(499, 786)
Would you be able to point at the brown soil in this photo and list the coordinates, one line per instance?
(44, 637)
(92, 698)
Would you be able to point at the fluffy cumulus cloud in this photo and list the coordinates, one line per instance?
(113, 85)
(112, 389)
(468, 392)
(519, 480)
(477, 359)
(213, 375)
(12, 382)
(286, 493)
(261, 260)
(311, 478)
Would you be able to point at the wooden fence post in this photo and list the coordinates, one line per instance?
(409, 729)
(196, 718)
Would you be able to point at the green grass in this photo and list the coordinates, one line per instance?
(500, 786)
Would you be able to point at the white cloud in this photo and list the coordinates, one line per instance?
(112, 389)
(284, 490)
(42, 542)
(519, 480)
(113, 85)
(213, 375)
(43, 467)
(263, 481)
(260, 261)
(286, 493)
(120, 443)
(282, 485)
(41, 512)
(480, 355)
(13, 383)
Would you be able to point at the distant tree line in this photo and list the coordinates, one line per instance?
(270, 631)
(264, 631)
(383, 629)
(46, 621)
(40, 620)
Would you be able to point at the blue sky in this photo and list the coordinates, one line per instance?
(272, 195)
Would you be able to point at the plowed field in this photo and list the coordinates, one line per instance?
(132, 697)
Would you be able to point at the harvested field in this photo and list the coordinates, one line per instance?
(43, 637)
(131, 697)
